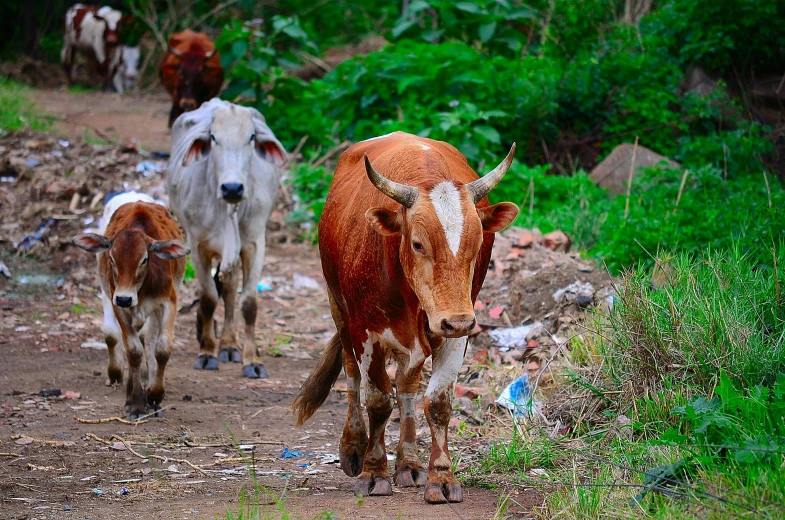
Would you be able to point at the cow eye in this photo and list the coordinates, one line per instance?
(144, 262)
(418, 247)
(212, 138)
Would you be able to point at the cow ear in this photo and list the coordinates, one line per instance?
(169, 249)
(270, 150)
(384, 221)
(497, 217)
(92, 242)
(199, 151)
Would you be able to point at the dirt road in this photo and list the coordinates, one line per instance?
(52, 374)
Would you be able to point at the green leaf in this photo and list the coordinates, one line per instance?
(487, 31)
(489, 133)
(294, 31)
(469, 7)
(401, 28)
(239, 48)
(417, 6)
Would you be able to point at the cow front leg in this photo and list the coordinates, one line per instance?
(136, 397)
(162, 347)
(447, 360)
(208, 300)
(409, 471)
(228, 351)
(375, 477)
(112, 336)
(354, 441)
(252, 256)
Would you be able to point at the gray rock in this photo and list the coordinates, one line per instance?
(614, 171)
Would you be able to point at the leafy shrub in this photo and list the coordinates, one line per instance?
(17, 112)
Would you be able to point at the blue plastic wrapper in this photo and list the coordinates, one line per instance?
(517, 397)
(286, 454)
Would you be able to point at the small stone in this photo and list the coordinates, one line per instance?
(557, 241)
(584, 301)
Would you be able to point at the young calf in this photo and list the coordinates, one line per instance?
(140, 265)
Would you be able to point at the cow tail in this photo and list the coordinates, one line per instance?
(322, 378)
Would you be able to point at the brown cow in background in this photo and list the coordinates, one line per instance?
(190, 71)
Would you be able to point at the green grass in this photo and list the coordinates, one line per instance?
(698, 367)
(17, 112)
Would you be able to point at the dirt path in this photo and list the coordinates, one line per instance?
(52, 466)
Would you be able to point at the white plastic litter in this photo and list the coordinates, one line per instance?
(515, 336)
(517, 397)
(305, 282)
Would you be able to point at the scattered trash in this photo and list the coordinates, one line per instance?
(98, 492)
(72, 395)
(7, 179)
(160, 155)
(148, 167)
(95, 345)
(66, 508)
(24, 441)
(516, 336)
(517, 397)
(247, 447)
(32, 163)
(572, 291)
(265, 284)
(28, 240)
(303, 466)
(55, 392)
(119, 446)
(124, 491)
(187, 398)
(584, 301)
(496, 312)
(329, 458)
(64, 143)
(305, 282)
(286, 454)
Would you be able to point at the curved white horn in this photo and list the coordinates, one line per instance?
(175, 51)
(401, 193)
(210, 54)
(482, 186)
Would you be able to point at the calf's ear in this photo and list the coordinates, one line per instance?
(92, 242)
(169, 249)
(384, 221)
(198, 151)
(497, 217)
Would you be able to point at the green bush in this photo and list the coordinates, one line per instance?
(17, 112)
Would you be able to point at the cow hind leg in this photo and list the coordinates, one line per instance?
(375, 477)
(208, 301)
(409, 471)
(228, 351)
(447, 360)
(252, 256)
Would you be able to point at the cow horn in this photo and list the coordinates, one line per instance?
(210, 54)
(175, 51)
(401, 193)
(481, 187)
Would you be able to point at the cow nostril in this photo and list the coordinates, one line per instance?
(446, 327)
(232, 190)
(123, 301)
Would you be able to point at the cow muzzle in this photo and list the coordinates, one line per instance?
(188, 104)
(125, 301)
(232, 192)
(453, 326)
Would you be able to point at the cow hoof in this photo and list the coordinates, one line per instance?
(411, 477)
(373, 487)
(206, 362)
(255, 371)
(230, 355)
(115, 376)
(127, 407)
(136, 415)
(441, 493)
(159, 413)
(352, 463)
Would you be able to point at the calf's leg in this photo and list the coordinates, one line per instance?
(136, 397)
(164, 324)
(447, 360)
(208, 300)
(409, 471)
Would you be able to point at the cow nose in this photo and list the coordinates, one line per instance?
(232, 191)
(188, 105)
(123, 301)
(457, 326)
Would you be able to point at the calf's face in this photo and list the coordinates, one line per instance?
(129, 260)
(232, 142)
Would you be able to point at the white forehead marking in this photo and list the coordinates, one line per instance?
(446, 200)
(425, 147)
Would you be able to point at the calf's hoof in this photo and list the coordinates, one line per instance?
(443, 492)
(255, 371)
(230, 355)
(411, 477)
(136, 414)
(159, 413)
(352, 461)
(373, 487)
(115, 375)
(206, 362)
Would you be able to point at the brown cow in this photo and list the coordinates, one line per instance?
(403, 261)
(140, 264)
(190, 71)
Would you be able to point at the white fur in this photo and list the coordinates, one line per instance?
(446, 365)
(91, 35)
(124, 68)
(446, 200)
(120, 200)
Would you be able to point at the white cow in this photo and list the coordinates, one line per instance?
(223, 177)
(124, 68)
(93, 31)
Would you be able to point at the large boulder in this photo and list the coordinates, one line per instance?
(613, 172)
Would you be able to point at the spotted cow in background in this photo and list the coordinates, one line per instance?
(125, 67)
(95, 32)
(405, 239)
(190, 71)
(140, 266)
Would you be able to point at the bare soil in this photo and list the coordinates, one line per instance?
(55, 465)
